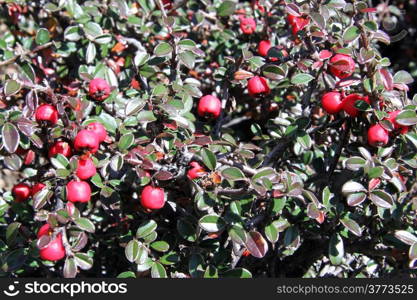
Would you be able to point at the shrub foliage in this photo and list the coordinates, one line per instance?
(269, 181)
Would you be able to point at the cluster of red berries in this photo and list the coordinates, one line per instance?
(211, 106)
(334, 102)
(379, 136)
(86, 142)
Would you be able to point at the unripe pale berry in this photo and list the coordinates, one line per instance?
(348, 104)
(331, 102)
(99, 89)
(60, 147)
(21, 192)
(86, 140)
(98, 129)
(196, 170)
(37, 187)
(209, 106)
(391, 117)
(46, 113)
(85, 168)
(342, 65)
(152, 197)
(55, 250)
(78, 191)
(258, 85)
(377, 135)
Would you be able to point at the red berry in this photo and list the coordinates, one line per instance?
(99, 130)
(264, 47)
(348, 104)
(342, 65)
(258, 85)
(391, 117)
(37, 187)
(85, 168)
(99, 89)
(247, 25)
(60, 148)
(196, 171)
(86, 140)
(331, 102)
(209, 106)
(78, 191)
(21, 192)
(152, 197)
(55, 250)
(46, 113)
(377, 135)
(298, 24)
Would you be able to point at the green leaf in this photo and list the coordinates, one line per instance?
(187, 58)
(336, 249)
(72, 33)
(406, 237)
(146, 229)
(238, 234)
(85, 224)
(403, 77)
(351, 34)
(271, 233)
(212, 223)
(238, 273)
(70, 268)
(186, 230)
(211, 272)
(11, 87)
(170, 258)
(352, 226)
(226, 8)
(158, 271)
(381, 198)
(273, 72)
(376, 172)
(146, 116)
(301, 78)
(90, 54)
(12, 232)
(163, 49)
(92, 30)
(132, 250)
(407, 118)
(160, 246)
(209, 159)
(127, 274)
(233, 174)
(143, 255)
(83, 261)
(42, 36)
(126, 141)
(352, 187)
(11, 137)
(187, 44)
(355, 199)
(355, 163)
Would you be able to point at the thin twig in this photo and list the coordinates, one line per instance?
(28, 52)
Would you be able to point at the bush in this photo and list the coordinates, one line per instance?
(204, 139)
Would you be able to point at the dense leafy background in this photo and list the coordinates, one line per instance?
(289, 190)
